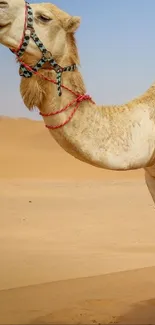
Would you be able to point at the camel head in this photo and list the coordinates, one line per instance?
(54, 27)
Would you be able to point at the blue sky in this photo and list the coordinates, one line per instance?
(116, 42)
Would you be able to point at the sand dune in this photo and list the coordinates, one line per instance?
(77, 243)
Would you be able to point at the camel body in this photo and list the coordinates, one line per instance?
(110, 137)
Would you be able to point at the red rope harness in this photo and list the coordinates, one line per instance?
(79, 98)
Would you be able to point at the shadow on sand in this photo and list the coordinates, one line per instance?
(141, 313)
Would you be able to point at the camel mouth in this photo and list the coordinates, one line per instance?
(2, 26)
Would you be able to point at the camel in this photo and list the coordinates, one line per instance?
(119, 137)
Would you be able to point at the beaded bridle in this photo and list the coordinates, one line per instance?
(26, 71)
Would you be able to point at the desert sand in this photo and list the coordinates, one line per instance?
(77, 243)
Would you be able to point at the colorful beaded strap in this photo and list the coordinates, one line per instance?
(29, 32)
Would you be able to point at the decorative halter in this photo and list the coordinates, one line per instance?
(26, 71)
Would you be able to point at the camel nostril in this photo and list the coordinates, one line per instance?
(3, 4)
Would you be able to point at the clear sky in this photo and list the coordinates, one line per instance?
(116, 42)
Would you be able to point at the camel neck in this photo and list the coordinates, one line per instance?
(69, 136)
(53, 103)
(109, 137)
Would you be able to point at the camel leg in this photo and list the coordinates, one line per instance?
(150, 180)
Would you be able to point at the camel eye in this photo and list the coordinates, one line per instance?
(44, 19)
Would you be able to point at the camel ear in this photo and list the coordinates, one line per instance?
(72, 24)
